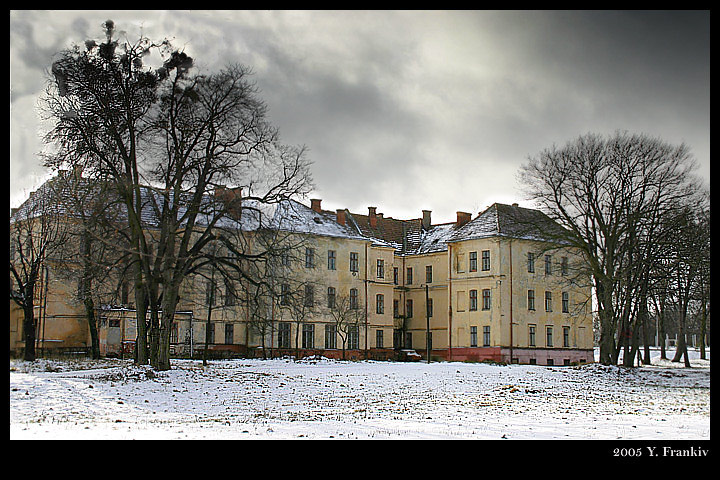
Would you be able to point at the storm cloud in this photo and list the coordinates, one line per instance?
(412, 110)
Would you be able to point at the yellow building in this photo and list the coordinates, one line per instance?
(461, 284)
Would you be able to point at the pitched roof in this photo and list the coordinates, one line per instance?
(500, 220)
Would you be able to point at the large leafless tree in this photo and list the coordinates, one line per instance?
(610, 194)
(37, 232)
(168, 139)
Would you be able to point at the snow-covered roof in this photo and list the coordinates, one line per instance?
(500, 220)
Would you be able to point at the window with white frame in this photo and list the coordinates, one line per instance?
(486, 299)
(308, 335)
(531, 299)
(485, 260)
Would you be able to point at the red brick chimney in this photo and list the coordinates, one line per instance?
(340, 216)
(315, 204)
(463, 218)
(373, 216)
(426, 219)
(232, 197)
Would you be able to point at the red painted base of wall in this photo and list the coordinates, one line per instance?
(372, 354)
(541, 356)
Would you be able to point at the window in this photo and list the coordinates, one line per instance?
(395, 275)
(174, 333)
(284, 335)
(210, 330)
(309, 257)
(486, 299)
(331, 259)
(380, 268)
(408, 339)
(533, 361)
(309, 296)
(378, 339)
(486, 260)
(428, 340)
(229, 333)
(429, 307)
(308, 335)
(531, 335)
(531, 262)
(353, 261)
(409, 275)
(549, 336)
(379, 303)
(473, 300)
(564, 265)
(210, 288)
(473, 262)
(354, 337)
(550, 362)
(396, 308)
(428, 274)
(473, 336)
(566, 362)
(354, 298)
(566, 336)
(531, 300)
(330, 336)
(285, 259)
(230, 295)
(548, 301)
(486, 336)
(565, 302)
(284, 294)
(331, 297)
(409, 309)
(548, 264)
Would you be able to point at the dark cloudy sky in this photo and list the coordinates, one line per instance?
(413, 110)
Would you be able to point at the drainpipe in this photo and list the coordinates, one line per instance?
(449, 302)
(427, 319)
(366, 302)
(511, 303)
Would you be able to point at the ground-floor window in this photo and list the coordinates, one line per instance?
(229, 333)
(486, 336)
(379, 339)
(473, 336)
(308, 335)
(354, 338)
(284, 335)
(330, 336)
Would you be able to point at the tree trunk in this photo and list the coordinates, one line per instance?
(92, 324)
(607, 333)
(207, 332)
(141, 307)
(703, 328)
(29, 329)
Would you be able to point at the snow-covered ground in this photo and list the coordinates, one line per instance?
(322, 399)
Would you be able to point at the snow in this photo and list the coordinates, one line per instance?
(320, 398)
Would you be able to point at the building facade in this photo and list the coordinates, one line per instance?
(361, 286)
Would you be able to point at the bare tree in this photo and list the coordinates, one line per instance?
(347, 316)
(36, 232)
(609, 194)
(185, 136)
